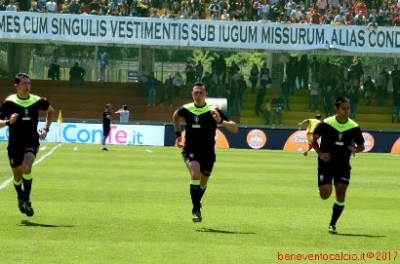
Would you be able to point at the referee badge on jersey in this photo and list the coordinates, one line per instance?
(339, 142)
(26, 117)
(196, 122)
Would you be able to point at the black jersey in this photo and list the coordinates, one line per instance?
(200, 127)
(24, 129)
(336, 139)
(107, 118)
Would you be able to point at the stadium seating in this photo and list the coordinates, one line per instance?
(88, 103)
(368, 117)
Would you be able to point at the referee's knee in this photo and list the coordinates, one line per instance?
(26, 169)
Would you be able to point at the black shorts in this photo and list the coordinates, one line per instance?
(16, 154)
(106, 131)
(206, 161)
(336, 174)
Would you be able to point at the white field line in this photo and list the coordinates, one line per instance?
(8, 181)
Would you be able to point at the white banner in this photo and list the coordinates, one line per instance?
(144, 135)
(117, 30)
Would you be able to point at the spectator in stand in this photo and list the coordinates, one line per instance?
(199, 71)
(381, 86)
(207, 83)
(303, 71)
(166, 91)
(353, 94)
(396, 106)
(329, 18)
(361, 8)
(234, 69)
(267, 112)
(264, 8)
(313, 101)
(315, 67)
(368, 90)
(315, 17)
(396, 20)
(275, 13)
(11, 7)
(76, 76)
(154, 13)
(265, 80)
(152, 85)
(103, 66)
(373, 15)
(297, 13)
(289, 7)
(349, 19)
(322, 6)
(51, 6)
(255, 9)
(334, 4)
(355, 72)
(165, 13)
(198, 9)
(94, 6)
(214, 7)
(74, 7)
(178, 83)
(286, 92)
(225, 15)
(190, 77)
(339, 19)
(328, 100)
(387, 21)
(277, 109)
(34, 8)
(395, 75)
(186, 10)
(64, 9)
(41, 4)
(2, 5)
(372, 26)
(291, 71)
(382, 14)
(254, 77)
(360, 19)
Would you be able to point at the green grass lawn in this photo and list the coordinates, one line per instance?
(132, 205)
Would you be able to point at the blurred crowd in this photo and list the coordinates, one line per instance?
(336, 12)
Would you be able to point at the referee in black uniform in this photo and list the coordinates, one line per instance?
(199, 149)
(20, 112)
(107, 116)
(341, 137)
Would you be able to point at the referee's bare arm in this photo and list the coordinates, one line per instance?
(176, 121)
(230, 125)
(49, 117)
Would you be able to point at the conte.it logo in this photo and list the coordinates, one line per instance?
(256, 139)
(297, 141)
(396, 147)
(369, 141)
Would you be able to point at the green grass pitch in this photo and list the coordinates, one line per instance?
(132, 205)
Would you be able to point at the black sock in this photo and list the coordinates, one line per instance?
(20, 192)
(195, 194)
(202, 191)
(27, 189)
(336, 212)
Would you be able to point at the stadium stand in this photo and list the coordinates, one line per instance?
(368, 117)
(88, 103)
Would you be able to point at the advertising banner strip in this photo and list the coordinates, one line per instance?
(118, 30)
